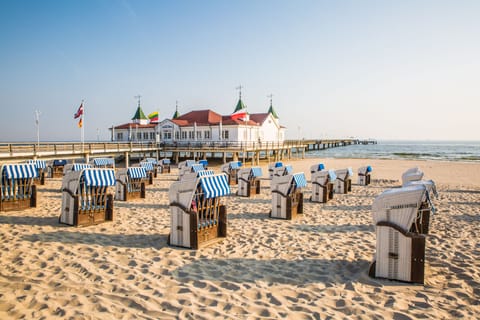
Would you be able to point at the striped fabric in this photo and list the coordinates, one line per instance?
(300, 180)
(137, 172)
(20, 171)
(204, 163)
(165, 161)
(288, 169)
(197, 167)
(203, 173)
(235, 164)
(147, 165)
(215, 186)
(256, 172)
(190, 163)
(99, 177)
(332, 175)
(278, 164)
(39, 164)
(81, 166)
(152, 160)
(350, 172)
(103, 161)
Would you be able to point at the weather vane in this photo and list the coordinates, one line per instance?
(138, 97)
(239, 88)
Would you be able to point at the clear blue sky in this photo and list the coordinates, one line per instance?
(369, 69)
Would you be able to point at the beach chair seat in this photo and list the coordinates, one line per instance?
(249, 181)
(197, 216)
(231, 169)
(343, 183)
(41, 166)
(400, 249)
(322, 185)
(86, 197)
(18, 191)
(130, 183)
(103, 163)
(55, 169)
(364, 175)
(287, 195)
(412, 174)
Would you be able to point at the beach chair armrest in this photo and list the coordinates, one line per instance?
(280, 193)
(319, 184)
(399, 229)
(70, 192)
(182, 207)
(121, 182)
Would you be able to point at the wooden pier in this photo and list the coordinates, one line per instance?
(253, 151)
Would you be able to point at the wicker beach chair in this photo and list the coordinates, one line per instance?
(231, 169)
(198, 218)
(87, 198)
(18, 191)
(343, 183)
(412, 174)
(272, 166)
(400, 245)
(282, 171)
(164, 165)
(195, 167)
(322, 185)
(103, 163)
(41, 166)
(195, 174)
(317, 167)
(75, 167)
(150, 169)
(55, 169)
(249, 181)
(287, 196)
(130, 183)
(364, 175)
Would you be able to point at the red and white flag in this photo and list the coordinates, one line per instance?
(79, 111)
(239, 115)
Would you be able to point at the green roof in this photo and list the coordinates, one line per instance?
(176, 114)
(240, 105)
(274, 114)
(139, 115)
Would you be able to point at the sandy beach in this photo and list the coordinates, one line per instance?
(314, 267)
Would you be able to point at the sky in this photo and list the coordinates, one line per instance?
(406, 70)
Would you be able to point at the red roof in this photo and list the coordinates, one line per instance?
(136, 125)
(259, 117)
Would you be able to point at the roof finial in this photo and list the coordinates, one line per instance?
(239, 88)
(138, 97)
(271, 99)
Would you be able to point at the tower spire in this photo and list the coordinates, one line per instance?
(239, 88)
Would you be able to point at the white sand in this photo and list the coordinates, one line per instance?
(313, 267)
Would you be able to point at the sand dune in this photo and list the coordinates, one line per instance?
(314, 267)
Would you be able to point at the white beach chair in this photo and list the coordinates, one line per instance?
(197, 216)
(18, 190)
(231, 169)
(364, 175)
(184, 167)
(192, 168)
(282, 171)
(86, 197)
(322, 185)
(287, 197)
(317, 167)
(103, 163)
(164, 165)
(195, 174)
(41, 166)
(412, 174)
(400, 253)
(130, 183)
(249, 181)
(272, 166)
(343, 183)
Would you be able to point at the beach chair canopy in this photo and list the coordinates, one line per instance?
(278, 164)
(99, 177)
(137, 172)
(197, 167)
(332, 175)
(235, 164)
(190, 163)
(203, 163)
(215, 186)
(300, 180)
(202, 173)
(149, 166)
(364, 170)
(165, 161)
(103, 161)
(19, 171)
(321, 167)
(59, 163)
(256, 172)
(151, 160)
(350, 172)
(39, 164)
(288, 169)
(80, 166)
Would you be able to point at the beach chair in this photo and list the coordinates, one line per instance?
(198, 218)
(412, 174)
(155, 164)
(322, 185)
(204, 163)
(87, 198)
(272, 166)
(282, 171)
(231, 169)
(164, 165)
(18, 191)
(427, 208)
(364, 175)
(41, 166)
(343, 183)
(249, 181)
(400, 252)
(103, 163)
(69, 167)
(150, 170)
(184, 167)
(317, 167)
(195, 174)
(194, 167)
(287, 197)
(55, 169)
(130, 183)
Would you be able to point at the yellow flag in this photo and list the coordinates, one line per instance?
(80, 123)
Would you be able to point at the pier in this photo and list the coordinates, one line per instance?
(250, 151)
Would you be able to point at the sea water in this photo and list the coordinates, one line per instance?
(412, 150)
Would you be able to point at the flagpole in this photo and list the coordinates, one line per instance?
(83, 127)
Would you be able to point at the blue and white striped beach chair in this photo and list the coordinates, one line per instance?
(41, 166)
(198, 218)
(130, 183)
(87, 198)
(231, 169)
(164, 165)
(151, 169)
(287, 196)
(249, 181)
(103, 163)
(18, 191)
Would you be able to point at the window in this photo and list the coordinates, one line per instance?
(139, 136)
(152, 135)
(206, 135)
(184, 135)
(167, 135)
(199, 135)
(145, 136)
(177, 135)
(119, 135)
(190, 135)
(225, 134)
